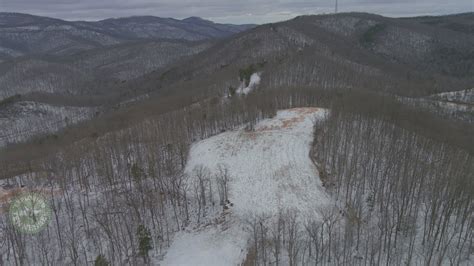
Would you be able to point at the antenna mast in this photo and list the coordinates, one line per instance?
(336, 7)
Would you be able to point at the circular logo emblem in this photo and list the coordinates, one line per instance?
(30, 213)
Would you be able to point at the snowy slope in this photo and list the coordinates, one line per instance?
(24, 120)
(215, 245)
(270, 171)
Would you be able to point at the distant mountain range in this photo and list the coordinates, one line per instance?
(23, 34)
(55, 72)
(98, 66)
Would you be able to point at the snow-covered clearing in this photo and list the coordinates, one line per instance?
(220, 244)
(270, 171)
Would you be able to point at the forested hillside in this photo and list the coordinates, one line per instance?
(61, 66)
(344, 51)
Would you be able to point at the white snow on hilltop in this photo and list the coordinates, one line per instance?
(270, 171)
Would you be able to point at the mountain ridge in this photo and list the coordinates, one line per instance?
(347, 51)
(24, 34)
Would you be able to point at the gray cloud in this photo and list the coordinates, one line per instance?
(232, 11)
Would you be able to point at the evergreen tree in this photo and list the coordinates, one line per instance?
(101, 261)
(144, 242)
(137, 173)
(232, 91)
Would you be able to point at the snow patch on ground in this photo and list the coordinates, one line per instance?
(215, 245)
(270, 171)
(254, 81)
(462, 96)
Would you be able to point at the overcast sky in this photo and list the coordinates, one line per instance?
(229, 11)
